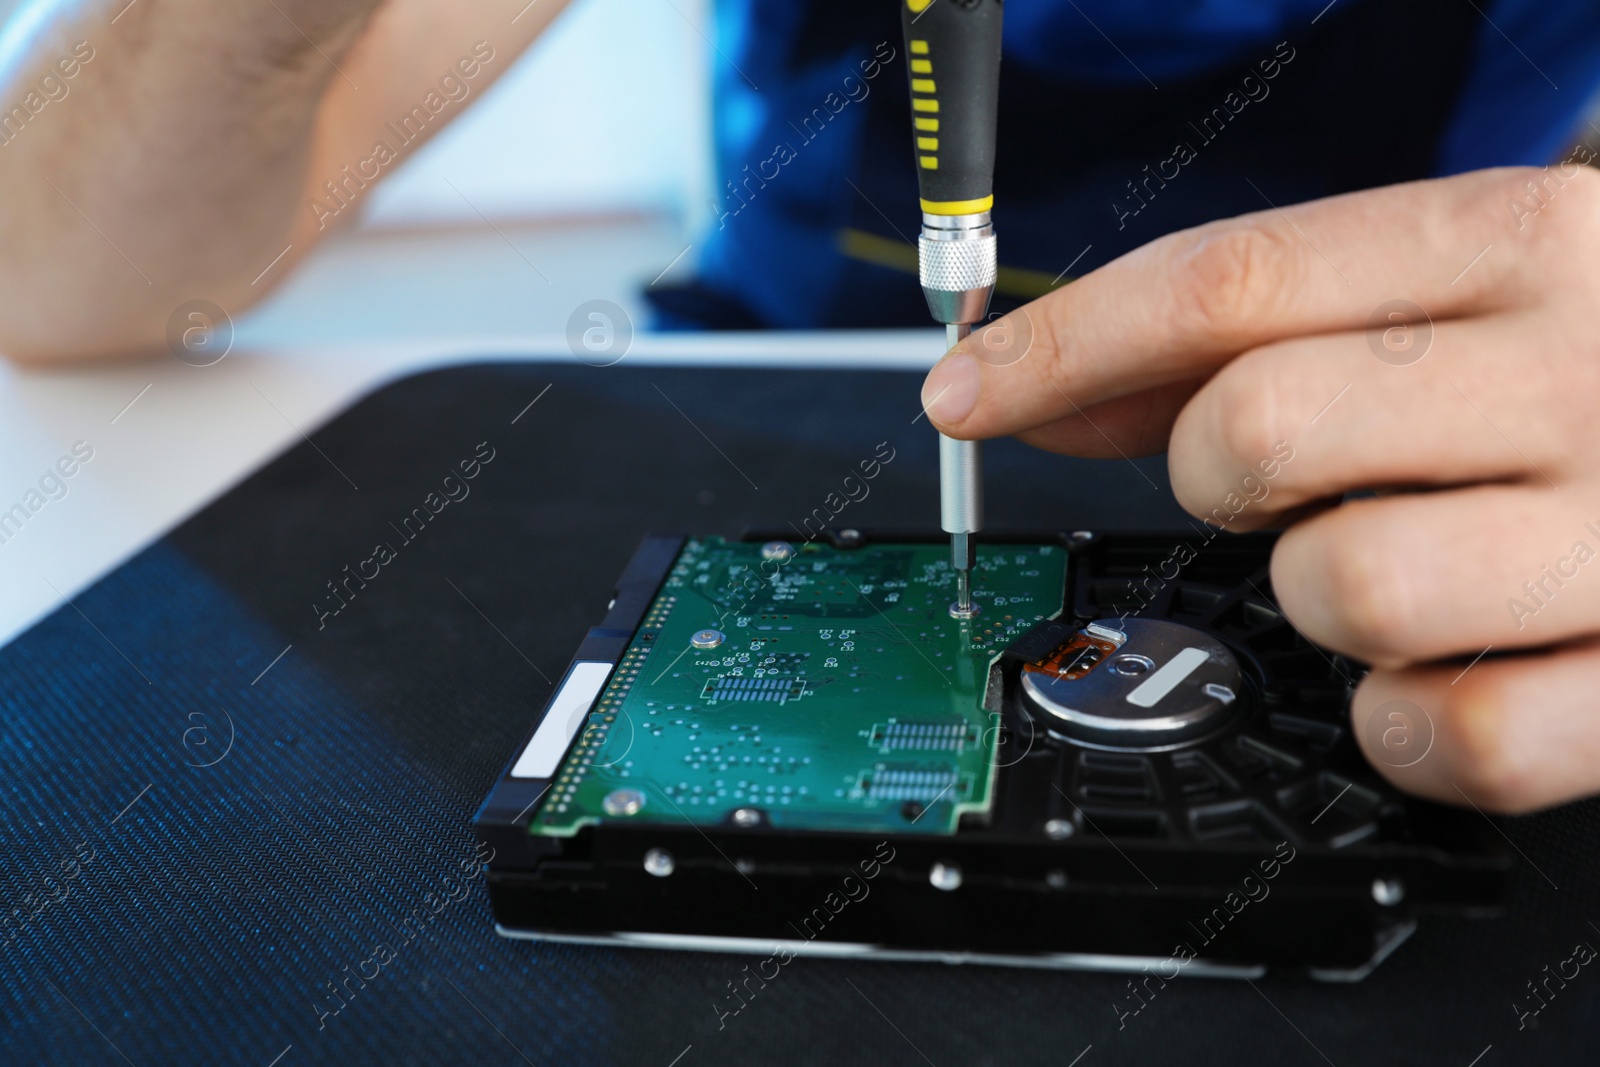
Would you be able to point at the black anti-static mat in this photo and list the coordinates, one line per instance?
(216, 808)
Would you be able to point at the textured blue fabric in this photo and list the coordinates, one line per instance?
(1535, 74)
(201, 919)
(1125, 41)
(197, 913)
(1530, 71)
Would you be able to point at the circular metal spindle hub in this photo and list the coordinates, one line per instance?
(1134, 684)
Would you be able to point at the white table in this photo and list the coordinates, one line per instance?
(168, 437)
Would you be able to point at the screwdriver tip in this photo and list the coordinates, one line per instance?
(963, 607)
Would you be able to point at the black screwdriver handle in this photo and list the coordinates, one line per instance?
(953, 55)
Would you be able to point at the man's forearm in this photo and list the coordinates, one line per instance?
(154, 159)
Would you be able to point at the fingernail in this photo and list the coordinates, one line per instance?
(951, 390)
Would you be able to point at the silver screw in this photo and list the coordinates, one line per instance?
(849, 537)
(659, 862)
(746, 817)
(623, 802)
(946, 876)
(1388, 891)
(1059, 829)
(707, 638)
(969, 612)
(1080, 537)
(1056, 879)
(779, 550)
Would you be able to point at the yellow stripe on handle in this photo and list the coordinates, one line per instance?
(960, 123)
(958, 207)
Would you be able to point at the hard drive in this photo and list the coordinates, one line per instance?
(1127, 760)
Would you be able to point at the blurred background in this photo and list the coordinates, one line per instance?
(589, 161)
(585, 173)
(607, 116)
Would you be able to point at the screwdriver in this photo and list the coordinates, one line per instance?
(953, 49)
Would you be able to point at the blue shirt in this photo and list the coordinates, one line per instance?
(1120, 120)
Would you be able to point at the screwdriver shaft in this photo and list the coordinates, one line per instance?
(961, 496)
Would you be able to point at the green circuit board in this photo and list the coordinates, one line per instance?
(823, 688)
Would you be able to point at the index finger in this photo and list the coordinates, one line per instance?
(1181, 306)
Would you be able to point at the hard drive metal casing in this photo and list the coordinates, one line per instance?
(1267, 842)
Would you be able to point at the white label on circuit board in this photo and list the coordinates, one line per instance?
(1150, 691)
(567, 711)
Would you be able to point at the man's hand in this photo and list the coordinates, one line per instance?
(1440, 338)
